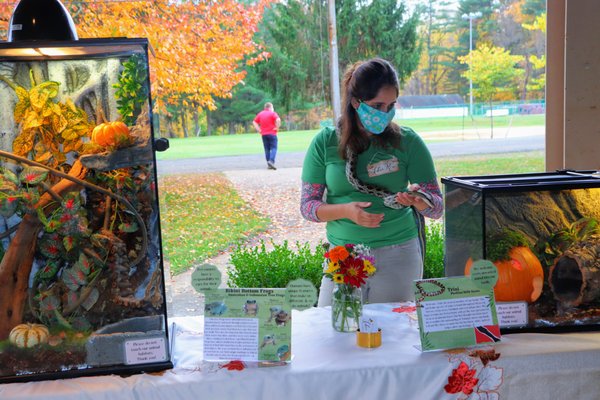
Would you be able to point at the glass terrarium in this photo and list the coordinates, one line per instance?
(542, 233)
(81, 277)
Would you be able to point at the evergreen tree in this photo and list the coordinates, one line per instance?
(296, 35)
(238, 112)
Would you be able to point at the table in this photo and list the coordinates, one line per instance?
(328, 365)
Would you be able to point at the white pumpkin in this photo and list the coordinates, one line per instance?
(28, 335)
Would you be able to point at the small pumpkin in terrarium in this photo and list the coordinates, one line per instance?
(28, 335)
(111, 134)
(520, 273)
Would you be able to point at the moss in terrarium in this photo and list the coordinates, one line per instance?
(501, 243)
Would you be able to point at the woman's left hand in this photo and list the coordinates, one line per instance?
(408, 200)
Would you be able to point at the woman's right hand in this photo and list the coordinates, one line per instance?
(359, 216)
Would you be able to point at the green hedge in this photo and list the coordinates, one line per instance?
(256, 266)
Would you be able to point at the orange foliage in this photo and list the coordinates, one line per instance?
(6, 9)
(199, 46)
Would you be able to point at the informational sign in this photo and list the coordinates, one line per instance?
(145, 350)
(512, 314)
(249, 324)
(458, 311)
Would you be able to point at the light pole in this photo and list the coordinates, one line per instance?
(471, 16)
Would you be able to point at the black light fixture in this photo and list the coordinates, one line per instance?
(41, 20)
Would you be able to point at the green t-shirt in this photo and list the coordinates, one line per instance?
(390, 168)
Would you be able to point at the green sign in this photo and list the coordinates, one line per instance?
(458, 311)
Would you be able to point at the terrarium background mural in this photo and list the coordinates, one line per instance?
(542, 233)
(81, 274)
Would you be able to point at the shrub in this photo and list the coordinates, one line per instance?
(434, 253)
(254, 267)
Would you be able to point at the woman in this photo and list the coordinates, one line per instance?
(372, 171)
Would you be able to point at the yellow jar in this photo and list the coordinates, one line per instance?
(368, 339)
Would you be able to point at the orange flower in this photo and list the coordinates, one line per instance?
(338, 253)
(349, 265)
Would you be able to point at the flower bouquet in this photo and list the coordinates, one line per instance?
(348, 267)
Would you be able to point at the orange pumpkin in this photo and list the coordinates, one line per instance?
(28, 335)
(111, 134)
(519, 279)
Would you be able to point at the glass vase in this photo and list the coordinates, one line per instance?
(346, 308)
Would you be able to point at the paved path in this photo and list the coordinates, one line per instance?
(276, 194)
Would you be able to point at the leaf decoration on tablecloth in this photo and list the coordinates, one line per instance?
(490, 379)
(485, 355)
(235, 365)
(462, 379)
(475, 377)
(405, 309)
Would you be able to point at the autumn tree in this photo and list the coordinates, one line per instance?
(200, 48)
(512, 18)
(197, 46)
(492, 69)
(538, 83)
(6, 10)
(438, 41)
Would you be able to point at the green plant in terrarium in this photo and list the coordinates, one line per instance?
(132, 91)
(557, 243)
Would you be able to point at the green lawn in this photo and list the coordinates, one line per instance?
(459, 123)
(491, 164)
(202, 215)
(232, 145)
(298, 141)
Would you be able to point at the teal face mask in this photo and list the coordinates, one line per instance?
(373, 120)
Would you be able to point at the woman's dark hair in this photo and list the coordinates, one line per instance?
(362, 81)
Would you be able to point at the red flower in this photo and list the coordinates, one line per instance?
(235, 365)
(31, 177)
(462, 380)
(354, 274)
(70, 204)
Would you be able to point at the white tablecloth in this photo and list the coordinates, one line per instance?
(328, 365)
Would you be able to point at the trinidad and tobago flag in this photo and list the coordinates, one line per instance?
(487, 333)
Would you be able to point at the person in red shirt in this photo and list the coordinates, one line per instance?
(267, 123)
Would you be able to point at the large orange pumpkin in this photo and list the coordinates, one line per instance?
(111, 134)
(521, 278)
